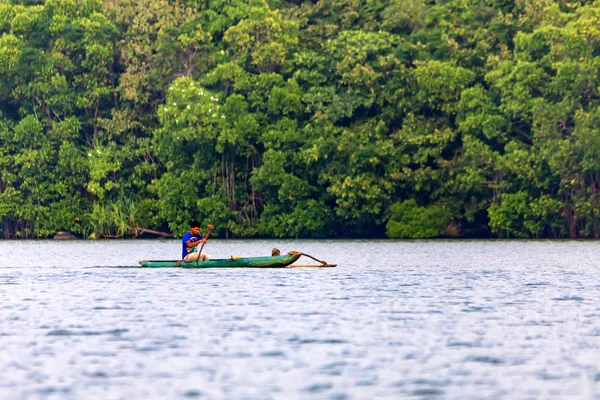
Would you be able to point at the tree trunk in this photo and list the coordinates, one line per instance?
(232, 184)
(594, 187)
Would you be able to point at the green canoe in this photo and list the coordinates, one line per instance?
(233, 262)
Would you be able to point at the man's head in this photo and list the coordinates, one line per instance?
(195, 227)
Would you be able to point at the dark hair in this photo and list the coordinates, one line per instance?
(194, 224)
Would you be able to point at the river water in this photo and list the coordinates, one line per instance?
(395, 319)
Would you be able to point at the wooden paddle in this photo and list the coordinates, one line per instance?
(210, 228)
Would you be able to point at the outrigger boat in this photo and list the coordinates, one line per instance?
(281, 261)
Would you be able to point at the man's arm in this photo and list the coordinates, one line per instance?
(190, 244)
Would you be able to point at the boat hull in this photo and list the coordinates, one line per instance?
(247, 262)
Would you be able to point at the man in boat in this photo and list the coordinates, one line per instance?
(189, 242)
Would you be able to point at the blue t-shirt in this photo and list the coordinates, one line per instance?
(188, 236)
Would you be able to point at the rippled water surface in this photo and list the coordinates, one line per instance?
(421, 319)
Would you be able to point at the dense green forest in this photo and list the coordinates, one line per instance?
(330, 118)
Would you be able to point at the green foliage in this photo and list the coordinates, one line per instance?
(120, 218)
(409, 221)
(40, 182)
(308, 218)
(520, 216)
(300, 118)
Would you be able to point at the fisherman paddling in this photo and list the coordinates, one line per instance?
(189, 243)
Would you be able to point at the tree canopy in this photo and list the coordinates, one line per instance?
(290, 118)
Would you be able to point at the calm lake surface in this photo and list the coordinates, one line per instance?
(396, 319)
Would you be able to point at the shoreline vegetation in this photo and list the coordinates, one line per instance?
(300, 119)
